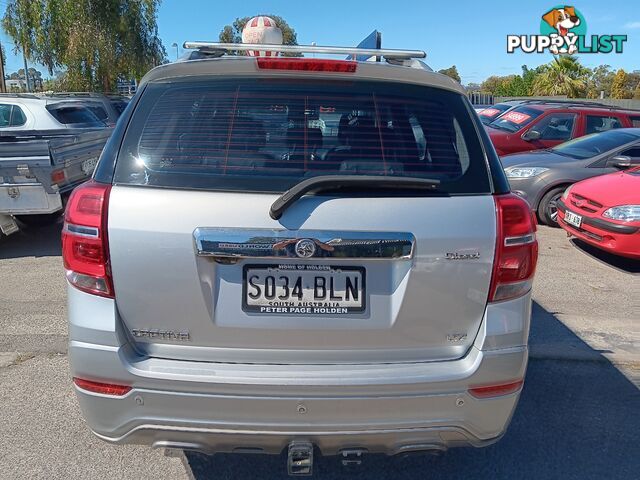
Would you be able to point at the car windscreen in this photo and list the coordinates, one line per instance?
(515, 119)
(269, 134)
(594, 144)
(74, 114)
(489, 114)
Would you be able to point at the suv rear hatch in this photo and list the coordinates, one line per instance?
(349, 274)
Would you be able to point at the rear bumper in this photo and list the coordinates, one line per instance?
(213, 407)
(609, 236)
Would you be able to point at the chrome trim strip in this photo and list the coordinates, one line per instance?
(82, 231)
(521, 240)
(227, 243)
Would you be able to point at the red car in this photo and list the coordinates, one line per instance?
(538, 124)
(604, 211)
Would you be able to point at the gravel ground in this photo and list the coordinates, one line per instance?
(577, 418)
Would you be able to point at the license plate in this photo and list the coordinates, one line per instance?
(89, 165)
(572, 219)
(303, 289)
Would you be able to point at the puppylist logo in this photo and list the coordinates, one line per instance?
(563, 30)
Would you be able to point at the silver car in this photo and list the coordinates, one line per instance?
(241, 280)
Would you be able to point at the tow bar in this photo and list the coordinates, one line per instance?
(300, 458)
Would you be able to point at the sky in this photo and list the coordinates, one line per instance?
(460, 33)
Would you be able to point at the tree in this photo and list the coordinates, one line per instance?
(35, 79)
(636, 93)
(618, 86)
(494, 84)
(600, 81)
(233, 33)
(562, 76)
(451, 72)
(94, 41)
(633, 80)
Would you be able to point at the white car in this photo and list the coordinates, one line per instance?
(19, 112)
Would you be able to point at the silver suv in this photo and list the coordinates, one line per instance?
(243, 280)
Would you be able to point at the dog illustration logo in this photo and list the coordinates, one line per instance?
(563, 20)
(563, 31)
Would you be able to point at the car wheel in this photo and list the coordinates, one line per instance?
(548, 208)
(39, 220)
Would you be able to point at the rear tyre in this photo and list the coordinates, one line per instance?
(548, 208)
(39, 220)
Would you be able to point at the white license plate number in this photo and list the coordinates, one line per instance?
(307, 290)
(572, 219)
(89, 165)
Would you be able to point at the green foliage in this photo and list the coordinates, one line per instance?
(636, 93)
(563, 76)
(19, 75)
(451, 72)
(492, 83)
(509, 86)
(600, 81)
(96, 42)
(233, 33)
(632, 83)
(618, 86)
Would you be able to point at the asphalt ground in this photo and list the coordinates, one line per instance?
(577, 418)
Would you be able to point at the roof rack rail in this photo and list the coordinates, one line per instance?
(73, 94)
(18, 95)
(219, 49)
(569, 102)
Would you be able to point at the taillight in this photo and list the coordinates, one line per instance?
(488, 391)
(102, 388)
(307, 64)
(85, 249)
(516, 249)
(57, 177)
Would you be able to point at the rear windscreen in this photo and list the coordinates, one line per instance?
(74, 115)
(269, 134)
(98, 111)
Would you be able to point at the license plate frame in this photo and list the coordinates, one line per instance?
(305, 310)
(573, 219)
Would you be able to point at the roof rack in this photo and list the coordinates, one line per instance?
(73, 94)
(18, 95)
(570, 103)
(219, 49)
(566, 102)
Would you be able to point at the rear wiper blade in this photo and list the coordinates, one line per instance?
(336, 182)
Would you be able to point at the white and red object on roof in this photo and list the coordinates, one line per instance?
(262, 30)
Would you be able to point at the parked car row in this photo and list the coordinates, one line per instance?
(559, 143)
(48, 145)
